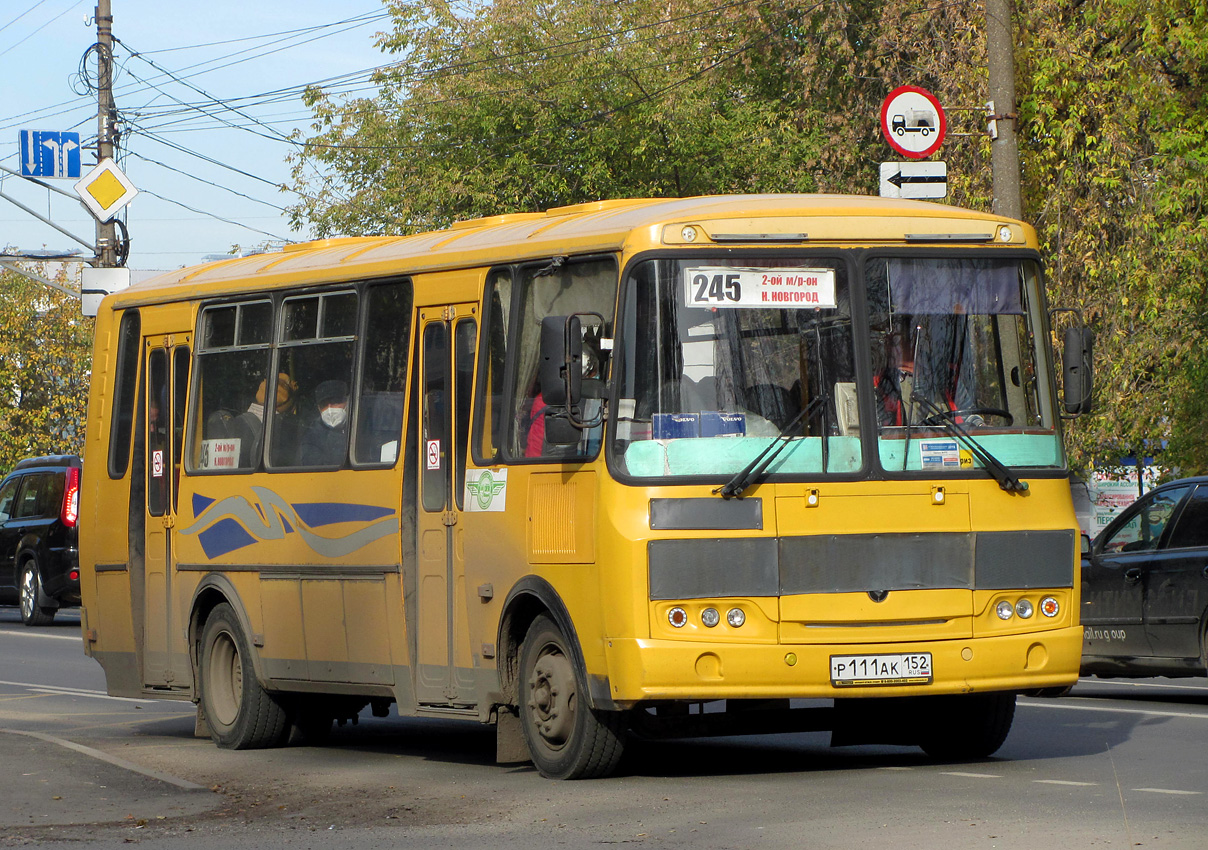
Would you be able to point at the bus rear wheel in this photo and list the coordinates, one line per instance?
(969, 726)
(566, 737)
(240, 713)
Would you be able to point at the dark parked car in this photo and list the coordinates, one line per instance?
(39, 556)
(1145, 587)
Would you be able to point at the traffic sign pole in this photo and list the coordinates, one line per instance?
(1004, 149)
(106, 231)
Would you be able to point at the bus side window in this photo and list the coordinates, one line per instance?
(488, 440)
(125, 391)
(316, 352)
(559, 288)
(232, 362)
(383, 373)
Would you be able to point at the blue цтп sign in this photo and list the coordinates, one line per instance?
(49, 153)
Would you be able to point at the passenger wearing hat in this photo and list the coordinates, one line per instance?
(286, 390)
(326, 441)
(250, 423)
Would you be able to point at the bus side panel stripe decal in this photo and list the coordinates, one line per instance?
(233, 523)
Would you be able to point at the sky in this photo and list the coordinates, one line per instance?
(207, 93)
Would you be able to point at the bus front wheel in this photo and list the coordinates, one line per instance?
(566, 737)
(972, 726)
(240, 713)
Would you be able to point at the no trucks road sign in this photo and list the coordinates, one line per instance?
(913, 122)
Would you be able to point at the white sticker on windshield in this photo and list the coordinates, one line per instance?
(727, 286)
(944, 454)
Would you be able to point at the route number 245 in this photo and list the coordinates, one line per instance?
(716, 288)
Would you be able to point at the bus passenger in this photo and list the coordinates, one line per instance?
(325, 442)
(250, 423)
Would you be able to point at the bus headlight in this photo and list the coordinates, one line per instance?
(735, 617)
(1050, 607)
(1005, 610)
(710, 618)
(1024, 609)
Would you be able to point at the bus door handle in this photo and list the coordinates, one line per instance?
(449, 518)
(1133, 575)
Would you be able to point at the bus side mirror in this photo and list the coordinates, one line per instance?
(561, 370)
(1076, 365)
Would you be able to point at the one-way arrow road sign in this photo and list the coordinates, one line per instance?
(914, 179)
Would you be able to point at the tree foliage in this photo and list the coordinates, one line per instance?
(528, 104)
(1116, 143)
(531, 104)
(45, 365)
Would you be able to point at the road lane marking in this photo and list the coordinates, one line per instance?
(77, 638)
(113, 760)
(1169, 791)
(1066, 706)
(1063, 782)
(1119, 684)
(73, 692)
(971, 775)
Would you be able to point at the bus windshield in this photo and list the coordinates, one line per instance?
(721, 356)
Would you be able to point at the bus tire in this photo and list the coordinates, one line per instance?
(240, 713)
(966, 727)
(566, 737)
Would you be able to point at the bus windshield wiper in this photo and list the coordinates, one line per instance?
(1002, 473)
(736, 486)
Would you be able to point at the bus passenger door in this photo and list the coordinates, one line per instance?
(444, 662)
(165, 649)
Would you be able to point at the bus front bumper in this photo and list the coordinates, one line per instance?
(642, 670)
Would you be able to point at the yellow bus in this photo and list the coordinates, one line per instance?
(636, 467)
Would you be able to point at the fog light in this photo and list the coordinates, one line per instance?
(1005, 609)
(735, 617)
(1024, 609)
(710, 617)
(678, 617)
(1049, 606)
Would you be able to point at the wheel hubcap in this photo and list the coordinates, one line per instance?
(29, 593)
(551, 703)
(225, 675)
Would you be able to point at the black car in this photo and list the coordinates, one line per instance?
(1145, 587)
(39, 555)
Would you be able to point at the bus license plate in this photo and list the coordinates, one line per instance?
(905, 668)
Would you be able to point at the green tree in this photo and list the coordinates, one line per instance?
(1116, 140)
(529, 104)
(45, 365)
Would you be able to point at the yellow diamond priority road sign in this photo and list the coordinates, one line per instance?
(105, 190)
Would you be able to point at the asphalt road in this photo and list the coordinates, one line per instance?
(1116, 764)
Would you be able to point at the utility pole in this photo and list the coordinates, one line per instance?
(106, 119)
(1004, 149)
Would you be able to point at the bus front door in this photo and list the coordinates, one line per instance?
(165, 648)
(444, 663)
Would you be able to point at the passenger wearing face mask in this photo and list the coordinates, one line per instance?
(326, 441)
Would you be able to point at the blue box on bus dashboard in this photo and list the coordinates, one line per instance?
(714, 423)
(674, 426)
